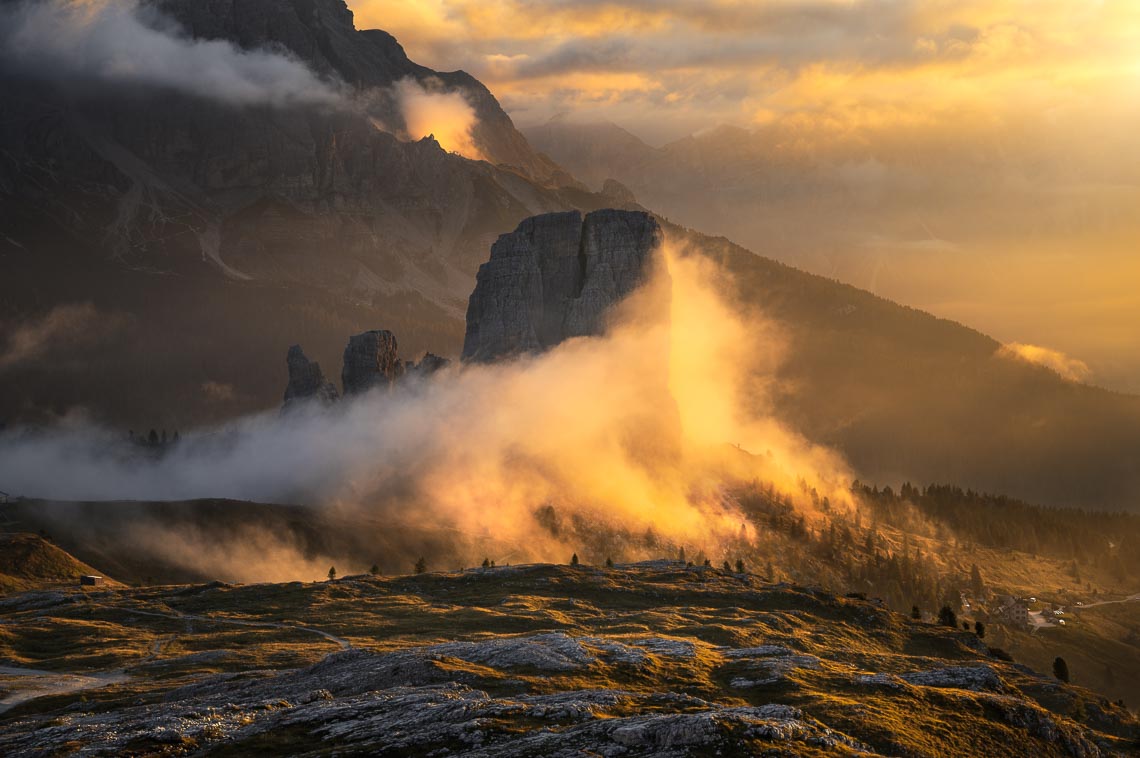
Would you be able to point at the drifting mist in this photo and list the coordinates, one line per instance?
(118, 44)
(645, 429)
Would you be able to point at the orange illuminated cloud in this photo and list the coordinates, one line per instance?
(1073, 369)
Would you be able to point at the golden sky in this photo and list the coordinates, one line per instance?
(851, 64)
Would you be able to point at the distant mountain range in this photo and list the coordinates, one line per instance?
(160, 251)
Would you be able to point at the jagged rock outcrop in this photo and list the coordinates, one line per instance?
(306, 380)
(427, 366)
(555, 277)
(371, 359)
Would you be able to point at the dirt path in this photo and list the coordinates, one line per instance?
(1130, 599)
(19, 685)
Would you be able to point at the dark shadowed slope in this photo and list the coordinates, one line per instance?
(905, 395)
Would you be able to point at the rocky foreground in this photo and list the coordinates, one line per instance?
(649, 659)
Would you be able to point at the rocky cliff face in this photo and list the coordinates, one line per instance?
(371, 360)
(306, 380)
(554, 278)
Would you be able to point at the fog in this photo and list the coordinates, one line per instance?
(645, 429)
(429, 109)
(84, 42)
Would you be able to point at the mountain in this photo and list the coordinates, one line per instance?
(593, 151)
(995, 228)
(192, 238)
(908, 396)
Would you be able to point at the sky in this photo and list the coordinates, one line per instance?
(667, 67)
(989, 147)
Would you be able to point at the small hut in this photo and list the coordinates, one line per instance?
(91, 580)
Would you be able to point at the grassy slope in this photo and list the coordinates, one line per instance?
(1094, 648)
(27, 561)
(706, 607)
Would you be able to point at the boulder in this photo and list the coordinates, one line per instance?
(306, 380)
(555, 277)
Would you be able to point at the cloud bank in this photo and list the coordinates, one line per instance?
(118, 43)
(429, 109)
(73, 326)
(1072, 369)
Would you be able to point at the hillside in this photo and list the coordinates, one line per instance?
(644, 659)
(908, 396)
(915, 548)
(28, 561)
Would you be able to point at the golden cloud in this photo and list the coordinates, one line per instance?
(1073, 369)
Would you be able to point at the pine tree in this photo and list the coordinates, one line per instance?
(915, 613)
(947, 617)
(727, 566)
(980, 629)
(486, 563)
(609, 563)
(332, 573)
(375, 570)
(421, 565)
(739, 566)
(1061, 669)
(574, 560)
(681, 555)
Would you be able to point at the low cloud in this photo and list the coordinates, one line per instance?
(643, 431)
(70, 326)
(1073, 369)
(430, 109)
(122, 44)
